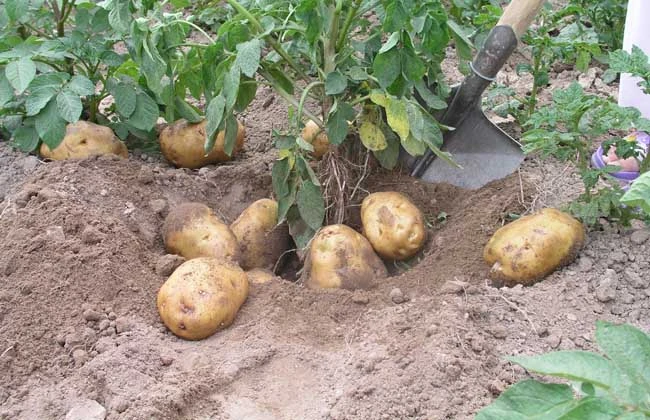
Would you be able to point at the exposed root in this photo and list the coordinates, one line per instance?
(342, 174)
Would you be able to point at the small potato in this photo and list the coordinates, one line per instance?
(202, 296)
(261, 240)
(530, 248)
(393, 225)
(182, 143)
(84, 139)
(192, 230)
(260, 276)
(313, 135)
(340, 257)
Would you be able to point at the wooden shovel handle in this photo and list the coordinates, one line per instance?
(520, 14)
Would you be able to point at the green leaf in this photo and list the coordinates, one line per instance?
(639, 193)
(462, 42)
(6, 91)
(396, 17)
(337, 122)
(379, 98)
(37, 100)
(230, 134)
(528, 399)
(231, 87)
(393, 39)
(246, 95)
(26, 138)
(69, 106)
(248, 57)
(413, 146)
(119, 16)
(311, 205)
(357, 73)
(81, 85)
(593, 408)
(214, 114)
(387, 67)
(16, 8)
(146, 113)
(397, 117)
(125, 98)
(372, 137)
(389, 157)
(282, 80)
(279, 177)
(186, 111)
(306, 172)
(422, 125)
(153, 66)
(574, 365)
(20, 73)
(298, 228)
(335, 83)
(628, 348)
(49, 125)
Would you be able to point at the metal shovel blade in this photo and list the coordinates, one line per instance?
(484, 151)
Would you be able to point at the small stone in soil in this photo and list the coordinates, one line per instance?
(397, 296)
(454, 286)
(571, 317)
(103, 324)
(122, 325)
(80, 357)
(91, 236)
(91, 315)
(158, 206)
(86, 410)
(639, 237)
(166, 360)
(360, 298)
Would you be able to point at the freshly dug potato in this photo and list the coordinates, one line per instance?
(192, 230)
(261, 240)
(84, 139)
(393, 225)
(530, 248)
(260, 276)
(202, 296)
(313, 135)
(340, 257)
(182, 143)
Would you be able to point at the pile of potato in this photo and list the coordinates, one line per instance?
(204, 294)
(339, 257)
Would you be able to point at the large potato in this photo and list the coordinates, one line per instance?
(340, 257)
(193, 230)
(260, 276)
(84, 139)
(393, 225)
(530, 248)
(202, 296)
(313, 135)
(182, 143)
(261, 240)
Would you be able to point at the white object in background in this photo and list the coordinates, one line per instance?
(638, 15)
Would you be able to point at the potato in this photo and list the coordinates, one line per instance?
(260, 276)
(340, 257)
(313, 135)
(530, 248)
(182, 143)
(393, 225)
(202, 296)
(84, 139)
(261, 240)
(193, 230)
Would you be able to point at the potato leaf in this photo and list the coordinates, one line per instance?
(231, 134)
(335, 83)
(69, 105)
(279, 176)
(397, 117)
(6, 91)
(26, 138)
(387, 68)
(125, 98)
(214, 114)
(248, 57)
(372, 137)
(337, 122)
(639, 194)
(20, 73)
(49, 125)
(389, 156)
(146, 113)
(311, 205)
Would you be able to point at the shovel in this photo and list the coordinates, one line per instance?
(483, 151)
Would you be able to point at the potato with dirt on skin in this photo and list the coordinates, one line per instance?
(85, 139)
(183, 144)
(340, 257)
(393, 225)
(193, 230)
(202, 296)
(261, 240)
(530, 248)
(317, 137)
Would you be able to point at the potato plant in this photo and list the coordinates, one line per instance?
(356, 69)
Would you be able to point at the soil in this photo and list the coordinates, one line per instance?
(82, 260)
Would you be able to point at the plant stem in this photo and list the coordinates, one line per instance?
(348, 22)
(537, 63)
(272, 41)
(198, 28)
(290, 99)
(305, 93)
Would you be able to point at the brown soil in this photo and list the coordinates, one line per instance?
(82, 260)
